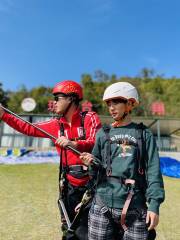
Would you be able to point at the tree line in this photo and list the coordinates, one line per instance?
(151, 87)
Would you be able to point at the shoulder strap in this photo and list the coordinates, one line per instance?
(141, 148)
(142, 158)
(61, 126)
(106, 128)
(62, 129)
(82, 123)
(83, 114)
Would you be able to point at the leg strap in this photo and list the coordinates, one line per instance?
(131, 184)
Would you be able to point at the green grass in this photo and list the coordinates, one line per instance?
(28, 204)
(169, 226)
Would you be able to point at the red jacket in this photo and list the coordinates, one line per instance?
(52, 126)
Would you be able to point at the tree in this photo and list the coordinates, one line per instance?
(3, 96)
(40, 94)
(100, 76)
(15, 99)
(151, 88)
(147, 73)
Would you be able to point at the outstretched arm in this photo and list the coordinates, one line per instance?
(44, 129)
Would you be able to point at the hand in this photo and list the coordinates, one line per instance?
(64, 142)
(87, 158)
(152, 219)
(77, 208)
(1, 111)
(85, 199)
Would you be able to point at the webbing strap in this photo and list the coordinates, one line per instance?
(124, 211)
(140, 143)
(131, 182)
(83, 114)
(106, 129)
(82, 123)
(140, 167)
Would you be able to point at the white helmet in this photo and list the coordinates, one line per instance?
(121, 90)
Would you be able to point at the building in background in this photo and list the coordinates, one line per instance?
(164, 130)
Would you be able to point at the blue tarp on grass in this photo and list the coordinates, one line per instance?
(31, 157)
(170, 167)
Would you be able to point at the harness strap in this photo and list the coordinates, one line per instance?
(140, 166)
(106, 129)
(61, 129)
(83, 114)
(82, 123)
(130, 182)
(77, 168)
(141, 146)
(61, 126)
(77, 171)
(113, 179)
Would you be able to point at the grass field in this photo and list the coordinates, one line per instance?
(28, 204)
(28, 196)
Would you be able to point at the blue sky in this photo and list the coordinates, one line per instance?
(45, 41)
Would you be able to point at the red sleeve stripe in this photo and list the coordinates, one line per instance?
(93, 125)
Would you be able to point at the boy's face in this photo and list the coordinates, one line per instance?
(61, 103)
(117, 108)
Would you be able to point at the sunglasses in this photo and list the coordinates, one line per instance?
(58, 98)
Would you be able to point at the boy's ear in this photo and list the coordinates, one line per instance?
(70, 98)
(129, 103)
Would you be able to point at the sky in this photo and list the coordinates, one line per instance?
(43, 42)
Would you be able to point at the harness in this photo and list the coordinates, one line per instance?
(76, 171)
(139, 167)
(83, 114)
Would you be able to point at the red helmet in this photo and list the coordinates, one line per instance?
(68, 87)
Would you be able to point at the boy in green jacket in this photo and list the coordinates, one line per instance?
(129, 184)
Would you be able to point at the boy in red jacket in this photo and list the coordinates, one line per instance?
(72, 128)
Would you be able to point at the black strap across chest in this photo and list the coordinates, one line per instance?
(66, 169)
(83, 114)
(108, 160)
(140, 144)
